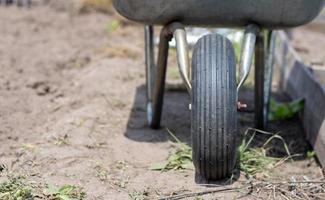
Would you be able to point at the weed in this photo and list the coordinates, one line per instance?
(251, 160)
(123, 178)
(181, 158)
(121, 181)
(139, 195)
(15, 189)
(99, 145)
(101, 173)
(112, 26)
(117, 177)
(66, 192)
(28, 147)
(61, 141)
(121, 165)
(311, 154)
(283, 111)
(255, 160)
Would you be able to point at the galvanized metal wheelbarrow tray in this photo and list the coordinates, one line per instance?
(268, 13)
(211, 76)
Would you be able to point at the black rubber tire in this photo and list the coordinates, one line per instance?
(214, 110)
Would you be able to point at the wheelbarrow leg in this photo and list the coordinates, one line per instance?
(247, 53)
(259, 80)
(150, 68)
(183, 57)
(264, 60)
(268, 74)
(156, 76)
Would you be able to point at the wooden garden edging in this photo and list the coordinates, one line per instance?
(298, 81)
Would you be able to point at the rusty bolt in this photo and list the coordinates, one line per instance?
(241, 105)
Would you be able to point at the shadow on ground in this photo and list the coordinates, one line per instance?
(176, 118)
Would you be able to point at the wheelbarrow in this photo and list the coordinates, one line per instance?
(211, 76)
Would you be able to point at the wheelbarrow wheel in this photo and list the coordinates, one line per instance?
(214, 111)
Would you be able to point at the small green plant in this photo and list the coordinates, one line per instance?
(28, 147)
(311, 154)
(112, 26)
(18, 188)
(139, 195)
(255, 160)
(180, 158)
(66, 192)
(283, 111)
(101, 173)
(15, 189)
(61, 141)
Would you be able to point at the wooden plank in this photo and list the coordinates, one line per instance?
(319, 73)
(298, 81)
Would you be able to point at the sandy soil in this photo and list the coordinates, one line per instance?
(72, 109)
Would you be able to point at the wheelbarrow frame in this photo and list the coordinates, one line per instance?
(258, 41)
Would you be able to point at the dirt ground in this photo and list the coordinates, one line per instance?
(310, 46)
(72, 109)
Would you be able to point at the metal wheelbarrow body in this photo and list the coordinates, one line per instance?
(226, 13)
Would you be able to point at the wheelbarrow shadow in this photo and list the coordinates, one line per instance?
(175, 118)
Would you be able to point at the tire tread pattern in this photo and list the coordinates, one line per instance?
(214, 112)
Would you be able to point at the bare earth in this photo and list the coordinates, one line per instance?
(72, 109)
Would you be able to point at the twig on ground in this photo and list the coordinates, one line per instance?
(288, 190)
(194, 194)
